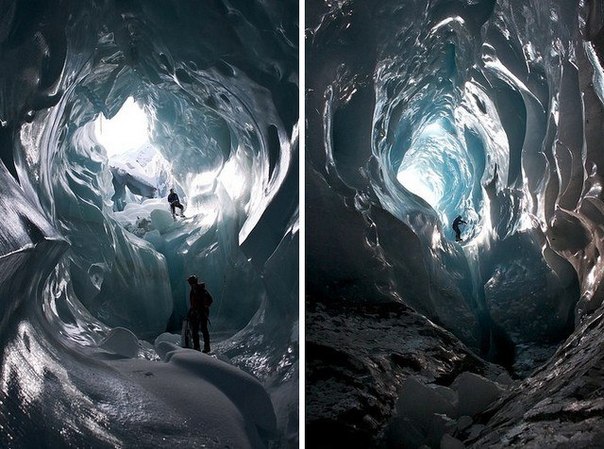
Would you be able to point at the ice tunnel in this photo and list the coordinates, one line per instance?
(104, 107)
(422, 111)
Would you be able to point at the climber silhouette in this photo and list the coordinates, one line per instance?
(455, 227)
(199, 312)
(174, 203)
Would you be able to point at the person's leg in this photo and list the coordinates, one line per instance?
(181, 207)
(173, 209)
(194, 323)
(206, 335)
(186, 331)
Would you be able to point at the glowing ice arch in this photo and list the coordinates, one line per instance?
(417, 170)
(438, 168)
(442, 167)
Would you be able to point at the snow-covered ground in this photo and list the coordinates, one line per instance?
(218, 404)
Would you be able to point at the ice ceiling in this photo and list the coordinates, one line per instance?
(105, 106)
(486, 109)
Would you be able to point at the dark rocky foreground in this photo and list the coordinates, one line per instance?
(359, 357)
(383, 376)
(561, 405)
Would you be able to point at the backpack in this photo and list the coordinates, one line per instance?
(202, 296)
(186, 339)
(206, 298)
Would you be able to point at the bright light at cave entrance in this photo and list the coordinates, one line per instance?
(128, 130)
(416, 181)
(424, 168)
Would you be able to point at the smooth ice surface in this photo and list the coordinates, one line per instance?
(104, 107)
(226, 406)
(490, 110)
(121, 341)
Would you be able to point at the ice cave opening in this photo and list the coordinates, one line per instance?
(449, 143)
(128, 130)
(114, 104)
(218, 168)
(446, 127)
(438, 168)
(422, 111)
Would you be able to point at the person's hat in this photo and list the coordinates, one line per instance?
(192, 278)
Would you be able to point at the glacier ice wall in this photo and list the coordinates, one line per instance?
(218, 83)
(420, 111)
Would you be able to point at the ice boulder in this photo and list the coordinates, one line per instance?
(419, 403)
(464, 422)
(475, 393)
(448, 442)
(154, 237)
(161, 220)
(423, 415)
(448, 393)
(122, 342)
(441, 425)
(167, 337)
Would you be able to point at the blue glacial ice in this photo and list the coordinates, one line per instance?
(422, 111)
(94, 266)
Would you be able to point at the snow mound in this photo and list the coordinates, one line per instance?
(221, 404)
(242, 389)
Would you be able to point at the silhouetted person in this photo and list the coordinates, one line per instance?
(174, 203)
(199, 312)
(455, 227)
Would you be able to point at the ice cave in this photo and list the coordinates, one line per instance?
(419, 112)
(104, 106)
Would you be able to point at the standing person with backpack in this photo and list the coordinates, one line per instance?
(199, 312)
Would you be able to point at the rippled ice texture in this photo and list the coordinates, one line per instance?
(218, 84)
(422, 111)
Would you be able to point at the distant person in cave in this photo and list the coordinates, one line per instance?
(199, 312)
(455, 227)
(174, 203)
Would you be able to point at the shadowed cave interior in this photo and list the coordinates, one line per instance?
(419, 112)
(105, 106)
